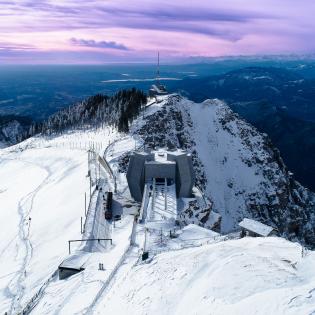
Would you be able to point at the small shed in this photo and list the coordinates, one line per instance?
(157, 89)
(73, 264)
(255, 228)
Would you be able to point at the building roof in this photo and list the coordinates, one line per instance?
(160, 89)
(159, 162)
(75, 261)
(256, 227)
(178, 152)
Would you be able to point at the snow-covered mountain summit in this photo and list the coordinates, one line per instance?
(237, 167)
(45, 181)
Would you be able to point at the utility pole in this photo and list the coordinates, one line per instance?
(85, 203)
(145, 254)
(161, 237)
(99, 170)
(158, 70)
(90, 187)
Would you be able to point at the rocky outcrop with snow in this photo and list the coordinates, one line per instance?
(13, 129)
(11, 133)
(237, 167)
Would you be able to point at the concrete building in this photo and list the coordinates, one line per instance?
(157, 89)
(176, 167)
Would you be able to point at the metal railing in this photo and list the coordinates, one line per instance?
(89, 240)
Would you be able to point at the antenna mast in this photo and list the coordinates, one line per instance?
(158, 70)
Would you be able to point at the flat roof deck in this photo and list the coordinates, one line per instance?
(256, 227)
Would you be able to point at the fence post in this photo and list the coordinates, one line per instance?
(133, 233)
(165, 194)
(153, 196)
(145, 245)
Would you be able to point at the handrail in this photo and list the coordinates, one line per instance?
(205, 200)
(108, 280)
(108, 165)
(88, 240)
(165, 194)
(105, 164)
(153, 195)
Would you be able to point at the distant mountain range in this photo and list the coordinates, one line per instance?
(277, 101)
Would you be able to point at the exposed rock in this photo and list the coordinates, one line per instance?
(251, 179)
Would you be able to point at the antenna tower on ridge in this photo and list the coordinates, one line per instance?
(158, 70)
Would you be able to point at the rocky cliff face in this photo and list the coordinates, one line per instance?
(237, 167)
(11, 133)
(13, 129)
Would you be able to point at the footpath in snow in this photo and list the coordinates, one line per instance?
(190, 270)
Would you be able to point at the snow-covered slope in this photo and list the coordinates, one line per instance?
(45, 181)
(247, 276)
(236, 166)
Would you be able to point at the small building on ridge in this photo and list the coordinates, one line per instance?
(255, 228)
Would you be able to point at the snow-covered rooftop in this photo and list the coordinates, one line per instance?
(256, 227)
(160, 156)
(193, 231)
(75, 261)
(160, 89)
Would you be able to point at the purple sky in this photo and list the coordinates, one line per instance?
(98, 31)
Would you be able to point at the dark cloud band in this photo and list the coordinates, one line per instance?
(94, 44)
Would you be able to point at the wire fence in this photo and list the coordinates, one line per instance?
(37, 296)
(166, 242)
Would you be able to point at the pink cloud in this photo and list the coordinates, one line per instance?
(128, 30)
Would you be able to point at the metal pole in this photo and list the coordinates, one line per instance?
(90, 187)
(88, 160)
(161, 240)
(81, 225)
(133, 233)
(145, 240)
(153, 196)
(69, 247)
(85, 203)
(165, 194)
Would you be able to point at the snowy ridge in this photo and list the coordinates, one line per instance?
(191, 270)
(43, 179)
(232, 277)
(236, 166)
